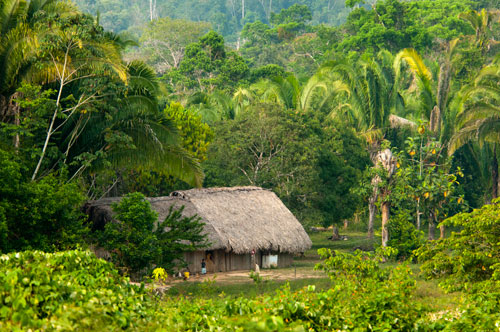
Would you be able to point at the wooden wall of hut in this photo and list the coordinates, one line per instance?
(285, 260)
(222, 261)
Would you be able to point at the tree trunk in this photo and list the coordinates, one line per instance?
(418, 214)
(242, 10)
(441, 232)
(11, 112)
(49, 130)
(435, 120)
(431, 227)
(46, 143)
(385, 220)
(386, 159)
(335, 233)
(3, 108)
(371, 217)
(16, 112)
(17, 122)
(233, 9)
(494, 174)
(152, 10)
(62, 83)
(372, 209)
(346, 224)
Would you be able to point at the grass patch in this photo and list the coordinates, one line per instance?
(429, 294)
(355, 240)
(249, 290)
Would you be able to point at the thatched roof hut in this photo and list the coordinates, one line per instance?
(237, 219)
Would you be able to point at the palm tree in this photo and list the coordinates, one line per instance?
(479, 117)
(212, 107)
(481, 22)
(20, 32)
(242, 99)
(136, 136)
(433, 99)
(374, 99)
(287, 91)
(433, 95)
(69, 58)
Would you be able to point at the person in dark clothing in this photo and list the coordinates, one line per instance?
(203, 266)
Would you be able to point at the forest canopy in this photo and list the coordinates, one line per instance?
(286, 97)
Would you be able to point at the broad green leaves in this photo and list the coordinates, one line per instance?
(136, 240)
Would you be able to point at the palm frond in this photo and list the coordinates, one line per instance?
(416, 64)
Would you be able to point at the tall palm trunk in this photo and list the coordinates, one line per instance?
(419, 214)
(372, 209)
(10, 112)
(16, 111)
(385, 220)
(17, 123)
(373, 150)
(494, 174)
(387, 160)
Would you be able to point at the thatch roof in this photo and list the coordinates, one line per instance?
(236, 219)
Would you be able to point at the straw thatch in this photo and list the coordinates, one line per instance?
(238, 219)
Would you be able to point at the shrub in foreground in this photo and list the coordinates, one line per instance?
(467, 259)
(64, 291)
(75, 291)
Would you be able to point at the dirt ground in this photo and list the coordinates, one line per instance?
(235, 277)
(267, 274)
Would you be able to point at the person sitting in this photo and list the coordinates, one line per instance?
(203, 266)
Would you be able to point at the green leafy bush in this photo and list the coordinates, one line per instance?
(74, 290)
(469, 258)
(130, 240)
(65, 291)
(478, 312)
(42, 214)
(196, 135)
(403, 235)
(177, 235)
(136, 243)
(368, 296)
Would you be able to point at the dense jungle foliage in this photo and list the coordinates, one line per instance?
(379, 114)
